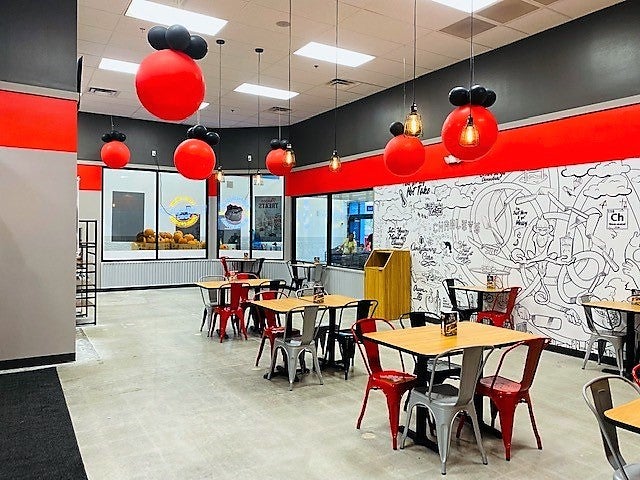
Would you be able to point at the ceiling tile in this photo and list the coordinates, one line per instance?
(577, 8)
(538, 20)
(114, 6)
(97, 18)
(431, 15)
(507, 10)
(93, 34)
(90, 48)
(376, 25)
(447, 45)
(499, 36)
(462, 28)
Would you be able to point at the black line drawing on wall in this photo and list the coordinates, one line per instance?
(559, 233)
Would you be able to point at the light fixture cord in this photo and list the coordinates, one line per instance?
(471, 61)
(258, 129)
(335, 107)
(112, 123)
(415, 9)
(220, 87)
(289, 75)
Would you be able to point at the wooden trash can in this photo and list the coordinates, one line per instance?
(387, 278)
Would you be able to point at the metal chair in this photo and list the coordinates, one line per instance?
(445, 368)
(392, 383)
(297, 280)
(269, 322)
(319, 272)
(294, 345)
(225, 267)
(275, 284)
(635, 373)
(463, 302)
(506, 394)
(496, 316)
(234, 310)
(445, 401)
(599, 403)
(613, 337)
(309, 291)
(210, 299)
(246, 276)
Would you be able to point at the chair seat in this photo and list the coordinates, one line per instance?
(443, 393)
(280, 331)
(631, 469)
(393, 377)
(502, 385)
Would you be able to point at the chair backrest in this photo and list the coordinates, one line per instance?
(225, 267)
(210, 296)
(365, 308)
(276, 284)
(239, 293)
(612, 317)
(588, 313)
(419, 319)
(600, 402)
(512, 295)
(535, 347)
(309, 291)
(309, 318)
(472, 361)
(294, 271)
(447, 283)
(245, 276)
(269, 316)
(319, 271)
(636, 374)
(368, 349)
(255, 267)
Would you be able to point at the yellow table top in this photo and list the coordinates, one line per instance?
(479, 288)
(428, 341)
(626, 416)
(215, 284)
(332, 301)
(283, 305)
(609, 305)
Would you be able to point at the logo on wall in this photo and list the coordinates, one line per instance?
(234, 214)
(183, 212)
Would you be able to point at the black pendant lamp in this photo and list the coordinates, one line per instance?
(335, 164)
(413, 121)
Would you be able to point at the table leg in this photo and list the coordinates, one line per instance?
(630, 358)
(330, 361)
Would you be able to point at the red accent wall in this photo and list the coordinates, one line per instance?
(36, 122)
(605, 135)
(212, 186)
(90, 177)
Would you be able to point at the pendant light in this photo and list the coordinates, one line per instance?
(257, 178)
(335, 164)
(219, 172)
(470, 136)
(289, 155)
(413, 122)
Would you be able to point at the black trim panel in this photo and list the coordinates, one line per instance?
(37, 361)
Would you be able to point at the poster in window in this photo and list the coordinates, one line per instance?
(268, 218)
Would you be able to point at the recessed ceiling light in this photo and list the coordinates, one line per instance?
(265, 91)
(465, 5)
(158, 13)
(329, 53)
(203, 105)
(118, 66)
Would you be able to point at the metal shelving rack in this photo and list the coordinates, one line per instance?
(86, 289)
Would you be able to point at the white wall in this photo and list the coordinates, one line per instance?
(37, 253)
(89, 205)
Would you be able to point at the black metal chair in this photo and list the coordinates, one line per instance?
(463, 302)
(298, 277)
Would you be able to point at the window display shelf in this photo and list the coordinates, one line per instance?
(86, 291)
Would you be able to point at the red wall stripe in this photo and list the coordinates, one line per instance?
(90, 177)
(605, 135)
(41, 123)
(212, 186)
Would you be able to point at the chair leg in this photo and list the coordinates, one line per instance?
(264, 339)
(224, 318)
(405, 431)
(618, 346)
(274, 356)
(588, 352)
(212, 324)
(476, 431)
(443, 434)
(316, 362)
(463, 417)
(204, 318)
(292, 364)
(507, 411)
(533, 422)
(242, 326)
(364, 406)
(393, 405)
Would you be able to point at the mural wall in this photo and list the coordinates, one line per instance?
(559, 233)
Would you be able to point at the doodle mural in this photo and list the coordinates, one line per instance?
(559, 233)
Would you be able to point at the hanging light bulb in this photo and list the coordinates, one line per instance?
(289, 156)
(413, 122)
(335, 164)
(470, 137)
(219, 174)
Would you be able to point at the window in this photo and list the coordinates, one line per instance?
(151, 215)
(250, 217)
(311, 228)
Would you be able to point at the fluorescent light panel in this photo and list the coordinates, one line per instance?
(465, 5)
(165, 15)
(265, 91)
(118, 66)
(203, 105)
(329, 53)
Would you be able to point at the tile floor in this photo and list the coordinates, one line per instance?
(152, 398)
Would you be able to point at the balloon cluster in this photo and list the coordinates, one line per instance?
(177, 37)
(404, 154)
(200, 132)
(471, 113)
(477, 95)
(114, 153)
(275, 158)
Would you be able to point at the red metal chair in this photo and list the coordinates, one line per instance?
(235, 308)
(393, 383)
(269, 322)
(506, 394)
(635, 373)
(500, 318)
(225, 267)
(246, 276)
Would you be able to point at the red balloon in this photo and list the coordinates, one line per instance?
(484, 121)
(404, 155)
(170, 85)
(194, 159)
(115, 154)
(275, 163)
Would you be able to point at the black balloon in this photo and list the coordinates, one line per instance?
(157, 37)
(274, 143)
(197, 48)
(178, 37)
(459, 96)
(121, 137)
(477, 94)
(190, 133)
(396, 128)
(283, 143)
(490, 100)
(200, 131)
(106, 137)
(212, 138)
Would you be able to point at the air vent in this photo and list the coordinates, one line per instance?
(342, 82)
(278, 110)
(103, 92)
